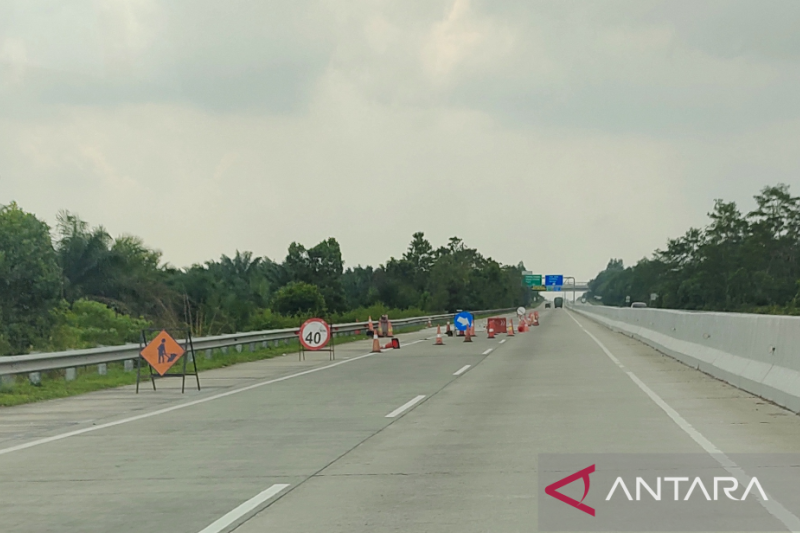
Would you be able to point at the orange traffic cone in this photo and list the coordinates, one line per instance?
(468, 335)
(429, 323)
(390, 334)
(376, 344)
(439, 341)
(448, 332)
(491, 332)
(370, 328)
(510, 327)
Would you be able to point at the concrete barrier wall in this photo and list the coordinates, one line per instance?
(757, 353)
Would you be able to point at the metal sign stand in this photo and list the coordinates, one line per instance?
(188, 347)
(330, 348)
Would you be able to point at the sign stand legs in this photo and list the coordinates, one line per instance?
(194, 359)
(301, 355)
(140, 360)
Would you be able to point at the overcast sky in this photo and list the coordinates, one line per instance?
(557, 133)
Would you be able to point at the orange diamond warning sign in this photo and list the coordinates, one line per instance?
(162, 352)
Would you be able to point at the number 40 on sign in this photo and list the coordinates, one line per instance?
(314, 334)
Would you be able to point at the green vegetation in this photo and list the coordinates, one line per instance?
(30, 280)
(741, 263)
(84, 288)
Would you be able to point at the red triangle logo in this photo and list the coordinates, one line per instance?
(552, 490)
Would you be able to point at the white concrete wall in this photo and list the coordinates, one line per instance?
(757, 353)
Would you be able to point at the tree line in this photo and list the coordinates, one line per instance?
(76, 286)
(737, 262)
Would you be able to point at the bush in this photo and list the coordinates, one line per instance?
(299, 298)
(88, 324)
(375, 311)
(268, 319)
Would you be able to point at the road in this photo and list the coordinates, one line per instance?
(283, 445)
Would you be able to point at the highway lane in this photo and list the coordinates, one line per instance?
(29, 422)
(461, 458)
(182, 469)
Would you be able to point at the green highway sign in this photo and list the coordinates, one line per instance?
(532, 279)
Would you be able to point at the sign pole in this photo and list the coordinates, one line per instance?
(574, 283)
(194, 357)
(183, 371)
(139, 360)
(142, 344)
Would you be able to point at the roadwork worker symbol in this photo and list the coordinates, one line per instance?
(162, 352)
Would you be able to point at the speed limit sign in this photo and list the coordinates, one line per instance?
(314, 334)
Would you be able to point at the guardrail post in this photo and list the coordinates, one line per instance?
(6, 382)
(264, 344)
(209, 353)
(252, 347)
(276, 343)
(35, 378)
(239, 348)
(224, 350)
(128, 365)
(71, 374)
(102, 369)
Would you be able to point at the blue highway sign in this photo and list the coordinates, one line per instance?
(554, 279)
(463, 320)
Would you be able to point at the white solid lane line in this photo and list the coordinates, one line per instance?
(45, 440)
(60, 436)
(247, 507)
(53, 438)
(502, 341)
(384, 350)
(406, 406)
(462, 370)
(487, 352)
(772, 506)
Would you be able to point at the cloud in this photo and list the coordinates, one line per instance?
(240, 57)
(557, 133)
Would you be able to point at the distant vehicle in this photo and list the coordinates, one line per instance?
(547, 305)
(558, 302)
(583, 300)
(638, 305)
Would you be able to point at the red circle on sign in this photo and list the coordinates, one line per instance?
(314, 334)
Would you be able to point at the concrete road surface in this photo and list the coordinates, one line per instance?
(427, 438)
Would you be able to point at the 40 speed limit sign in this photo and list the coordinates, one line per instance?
(314, 334)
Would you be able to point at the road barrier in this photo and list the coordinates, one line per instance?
(757, 353)
(40, 362)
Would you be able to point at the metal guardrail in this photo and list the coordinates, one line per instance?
(23, 364)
